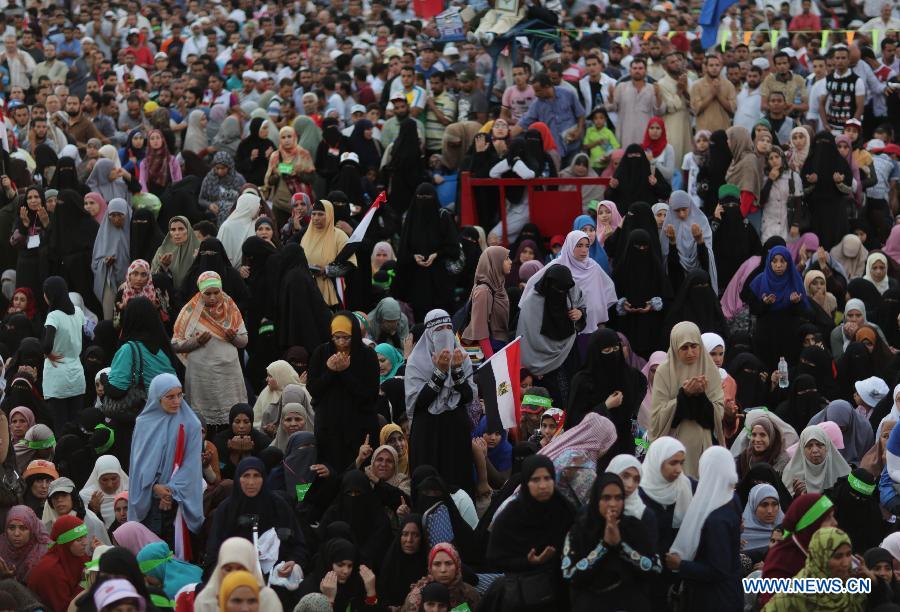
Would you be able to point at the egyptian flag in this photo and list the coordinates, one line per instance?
(182, 535)
(352, 244)
(498, 386)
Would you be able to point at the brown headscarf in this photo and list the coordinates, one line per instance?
(873, 461)
(489, 298)
(744, 169)
(458, 137)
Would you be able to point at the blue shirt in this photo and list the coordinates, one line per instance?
(74, 46)
(560, 113)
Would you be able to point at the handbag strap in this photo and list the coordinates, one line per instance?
(140, 362)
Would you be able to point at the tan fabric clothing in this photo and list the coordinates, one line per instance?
(793, 88)
(714, 116)
(490, 304)
(321, 247)
(667, 382)
(677, 117)
(83, 129)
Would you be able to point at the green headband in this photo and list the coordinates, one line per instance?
(151, 564)
(206, 283)
(859, 486)
(92, 564)
(747, 427)
(537, 400)
(815, 512)
(40, 444)
(72, 534)
(109, 441)
(266, 328)
(161, 601)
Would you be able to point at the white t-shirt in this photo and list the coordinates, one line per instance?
(690, 166)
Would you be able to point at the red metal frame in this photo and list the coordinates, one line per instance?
(468, 215)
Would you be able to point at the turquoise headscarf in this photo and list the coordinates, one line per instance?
(597, 253)
(157, 560)
(391, 354)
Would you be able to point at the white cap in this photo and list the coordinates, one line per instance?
(115, 590)
(357, 108)
(871, 390)
(761, 63)
(875, 143)
(349, 156)
(451, 50)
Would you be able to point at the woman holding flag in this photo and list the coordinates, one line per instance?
(166, 466)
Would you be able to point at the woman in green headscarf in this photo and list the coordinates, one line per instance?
(176, 254)
(830, 556)
(308, 134)
(389, 361)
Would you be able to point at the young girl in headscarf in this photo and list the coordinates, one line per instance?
(489, 320)
(660, 152)
(586, 224)
(692, 162)
(159, 168)
(781, 183)
(112, 254)
(686, 240)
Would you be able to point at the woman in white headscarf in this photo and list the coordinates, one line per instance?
(667, 493)
(628, 468)
(688, 402)
(239, 226)
(439, 388)
(816, 465)
(764, 439)
(99, 492)
(195, 138)
(877, 272)
(706, 550)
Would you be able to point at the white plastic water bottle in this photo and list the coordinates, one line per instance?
(783, 381)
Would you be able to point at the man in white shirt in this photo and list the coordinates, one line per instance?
(815, 84)
(595, 84)
(130, 71)
(21, 65)
(883, 23)
(845, 93)
(749, 107)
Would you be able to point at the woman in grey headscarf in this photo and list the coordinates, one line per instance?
(195, 138)
(581, 168)
(112, 254)
(8, 283)
(228, 136)
(308, 133)
(677, 236)
(858, 434)
(107, 180)
(439, 388)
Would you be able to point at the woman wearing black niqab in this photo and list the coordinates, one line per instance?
(697, 302)
(608, 386)
(802, 404)
(366, 149)
(828, 197)
(292, 289)
(817, 362)
(635, 182)
(71, 236)
(406, 167)
(66, 177)
(253, 168)
(763, 473)
(856, 509)
(212, 257)
(145, 235)
(344, 395)
(45, 160)
(752, 391)
(641, 282)
(427, 231)
(853, 366)
(734, 239)
(405, 563)
(712, 175)
(328, 155)
(358, 506)
(639, 216)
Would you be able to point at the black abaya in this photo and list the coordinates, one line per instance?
(828, 200)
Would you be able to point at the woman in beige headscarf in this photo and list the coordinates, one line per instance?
(744, 171)
(322, 242)
(851, 254)
(688, 403)
(458, 137)
(489, 302)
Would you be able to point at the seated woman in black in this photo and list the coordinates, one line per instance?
(240, 440)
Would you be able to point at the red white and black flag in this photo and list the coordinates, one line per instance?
(498, 386)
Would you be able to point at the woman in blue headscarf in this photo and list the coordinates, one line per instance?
(161, 569)
(587, 225)
(166, 462)
(390, 360)
(778, 299)
(498, 448)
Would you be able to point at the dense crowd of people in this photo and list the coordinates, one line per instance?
(242, 319)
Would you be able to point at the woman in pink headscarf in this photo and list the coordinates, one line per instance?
(134, 536)
(845, 148)
(23, 542)
(649, 370)
(592, 437)
(803, 248)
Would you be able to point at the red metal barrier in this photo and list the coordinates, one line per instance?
(555, 221)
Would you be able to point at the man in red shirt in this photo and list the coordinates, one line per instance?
(142, 55)
(806, 21)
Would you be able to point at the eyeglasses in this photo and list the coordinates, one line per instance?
(341, 338)
(173, 396)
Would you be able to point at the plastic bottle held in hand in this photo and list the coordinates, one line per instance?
(783, 381)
